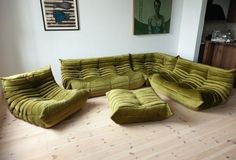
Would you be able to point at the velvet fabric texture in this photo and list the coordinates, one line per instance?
(36, 98)
(195, 85)
(139, 105)
(99, 75)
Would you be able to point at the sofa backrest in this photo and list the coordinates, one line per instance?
(150, 63)
(92, 67)
(70, 69)
(30, 84)
(164, 61)
(188, 72)
(222, 76)
(137, 62)
(200, 73)
(182, 68)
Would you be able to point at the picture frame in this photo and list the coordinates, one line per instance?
(151, 16)
(60, 15)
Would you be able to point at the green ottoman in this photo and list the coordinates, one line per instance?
(137, 106)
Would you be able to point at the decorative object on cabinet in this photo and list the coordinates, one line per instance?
(217, 36)
(220, 36)
(60, 15)
(152, 16)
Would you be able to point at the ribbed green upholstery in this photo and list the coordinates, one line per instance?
(137, 106)
(195, 85)
(36, 98)
(99, 75)
(151, 63)
(142, 62)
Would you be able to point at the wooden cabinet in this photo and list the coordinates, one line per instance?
(220, 55)
(232, 11)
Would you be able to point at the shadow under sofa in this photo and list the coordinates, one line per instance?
(195, 85)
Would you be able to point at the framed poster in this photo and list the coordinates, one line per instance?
(60, 15)
(152, 16)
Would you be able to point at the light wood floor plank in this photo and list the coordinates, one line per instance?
(91, 134)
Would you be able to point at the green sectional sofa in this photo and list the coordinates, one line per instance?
(195, 85)
(36, 98)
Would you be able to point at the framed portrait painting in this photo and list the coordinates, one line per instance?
(60, 14)
(152, 16)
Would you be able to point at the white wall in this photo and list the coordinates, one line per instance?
(192, 21)
(106, 29)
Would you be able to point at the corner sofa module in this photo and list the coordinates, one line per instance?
(195, 85)
(99, 75)
(36, 98)
(139, 105)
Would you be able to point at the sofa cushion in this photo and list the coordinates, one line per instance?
(221, 75)
(138, 61)
(163, 61)
(189, 97)
(89, 63)
(151, 63)
(196, 77)
(169, 62)
(137, 106)
(122, 64)
(182, 68)
(99, 86)
(70, 69)
(218, 84)
(142, 62)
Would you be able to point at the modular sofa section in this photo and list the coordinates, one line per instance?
(139, 105)
(36, 98)
(99, 75)
(195, 85)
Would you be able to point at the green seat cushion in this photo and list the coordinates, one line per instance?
(137, 106)
(100, 86)
(36, 98)
(189, 97)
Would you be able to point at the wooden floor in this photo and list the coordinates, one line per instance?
(91, 135)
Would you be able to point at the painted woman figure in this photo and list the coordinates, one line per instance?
(156, 23)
